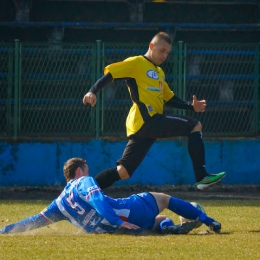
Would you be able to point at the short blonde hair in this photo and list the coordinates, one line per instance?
(162, 36)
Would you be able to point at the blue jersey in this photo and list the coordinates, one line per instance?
(83, 204)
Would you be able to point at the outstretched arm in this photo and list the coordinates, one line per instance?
(46, 217)
(195, 105)
(27, 224)
(90, 97)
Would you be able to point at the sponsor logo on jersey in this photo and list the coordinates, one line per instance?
(92, 190)
(153, 89)
(152, 74)
(150, 108)
(94, 222)
(88, 217)
(95, 187)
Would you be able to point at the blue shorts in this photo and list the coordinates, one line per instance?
(143, 210)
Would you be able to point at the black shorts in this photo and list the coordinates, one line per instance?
(159, 126)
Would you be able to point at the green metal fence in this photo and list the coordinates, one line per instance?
(42, 86)
(227, 76)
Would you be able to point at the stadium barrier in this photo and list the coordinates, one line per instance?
(42, 86)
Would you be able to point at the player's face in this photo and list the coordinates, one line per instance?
(160, 51)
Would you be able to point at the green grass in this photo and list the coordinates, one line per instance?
(240, 237)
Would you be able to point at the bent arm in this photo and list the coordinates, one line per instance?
(101, 83)
(93, 195)
(176, 102)
(90, 97)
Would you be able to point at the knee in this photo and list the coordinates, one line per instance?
(122, 172)
(197, 127)
(162, 200)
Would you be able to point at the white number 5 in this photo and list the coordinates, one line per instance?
(75, 205)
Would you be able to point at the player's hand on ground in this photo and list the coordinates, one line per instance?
(199, 105)
(90, 98)
(128, 225)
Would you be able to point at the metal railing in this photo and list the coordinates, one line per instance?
(42, 86)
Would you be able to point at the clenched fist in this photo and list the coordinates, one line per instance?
(90, 98)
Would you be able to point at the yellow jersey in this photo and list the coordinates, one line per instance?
(147, 87)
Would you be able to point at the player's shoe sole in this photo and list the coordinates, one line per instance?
(209, 180)
(183, 228)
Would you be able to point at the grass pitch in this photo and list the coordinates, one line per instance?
(239, 239)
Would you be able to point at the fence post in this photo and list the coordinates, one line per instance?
(9, 120)
(17, 81)
(98, 94)
(184, 75)
(103, 92)
(93, 79)
(180, 71)
(256, 91)
(175, 66)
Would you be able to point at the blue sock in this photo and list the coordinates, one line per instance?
(165, 223)
(187, 210)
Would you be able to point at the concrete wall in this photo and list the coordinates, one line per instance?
(167, 162)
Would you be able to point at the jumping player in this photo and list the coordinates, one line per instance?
(146, 120)
(83, 204)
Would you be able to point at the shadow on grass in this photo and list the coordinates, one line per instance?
(254, 231)
(149, 232)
